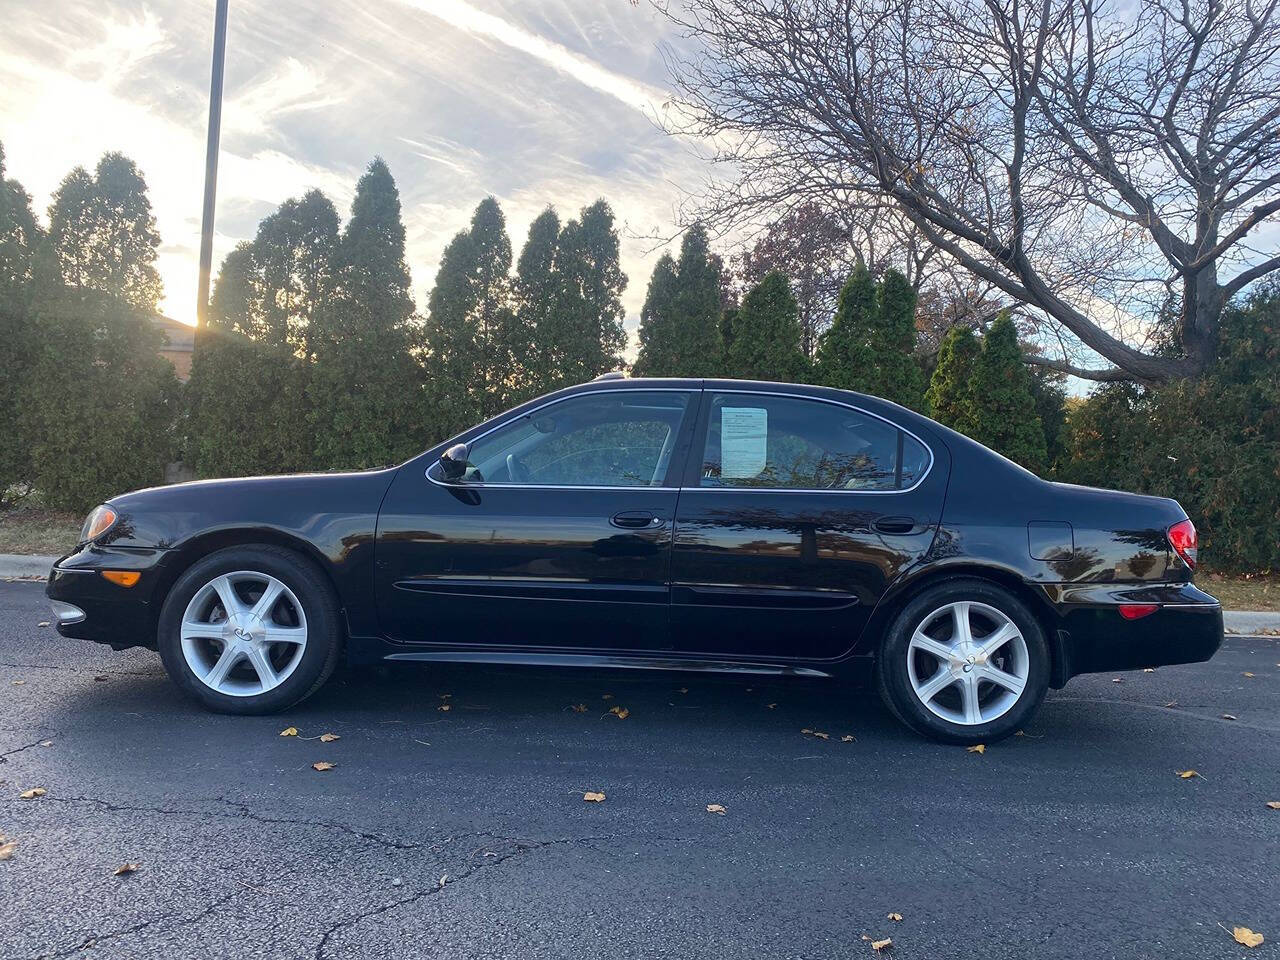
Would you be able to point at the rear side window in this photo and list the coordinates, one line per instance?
(790, 443)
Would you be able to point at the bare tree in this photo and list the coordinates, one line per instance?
(1107, 164)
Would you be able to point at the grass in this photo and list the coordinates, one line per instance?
(35, 531)
(32, 530)
(1253, 592)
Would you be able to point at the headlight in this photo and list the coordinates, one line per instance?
(99, 522)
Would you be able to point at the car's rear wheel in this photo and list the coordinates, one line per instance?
(251, 629)
(964, 662)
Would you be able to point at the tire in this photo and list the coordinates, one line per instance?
(216, 657)
(911, 659)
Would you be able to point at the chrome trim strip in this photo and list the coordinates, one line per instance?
(765, 393)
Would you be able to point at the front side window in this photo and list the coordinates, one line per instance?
(622, 438)
(773, 442)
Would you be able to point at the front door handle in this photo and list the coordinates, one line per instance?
(893, 525)
(637, 520)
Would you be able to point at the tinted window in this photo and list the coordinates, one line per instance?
(615, 439)
(763, 441)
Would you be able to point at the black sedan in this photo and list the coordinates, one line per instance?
(667, 524)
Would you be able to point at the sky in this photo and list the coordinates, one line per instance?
(549, 102)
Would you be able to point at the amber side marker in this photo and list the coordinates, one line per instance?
(125, 578)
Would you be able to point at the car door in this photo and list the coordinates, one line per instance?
(796, 514)
(558, 536)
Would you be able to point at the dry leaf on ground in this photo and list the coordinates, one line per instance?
(1274, 804)
(19, 683)
(1229, 716)
(33, 793)
(716, 808)
(1172, 703)
(1246, 937)
(1246, 674)
(978, 748)
(46, 743)
(607, 696)
(126, 868)
(323, 765)
(683, 690)
(579, 708)
(329, 737)
(895, 917)
(1117, 679)
(43, 623)
(771, 705)
(878, 945)
(620, 712)
(6, 849)
(592, 796)
(1148, 669)
(847, 738)
(445, 707)
(289, 732)
(1188, 774)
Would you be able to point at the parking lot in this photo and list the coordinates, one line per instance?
(463, 832)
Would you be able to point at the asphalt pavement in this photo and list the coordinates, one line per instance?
(463, 833)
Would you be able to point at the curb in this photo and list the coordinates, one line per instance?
(19, 565)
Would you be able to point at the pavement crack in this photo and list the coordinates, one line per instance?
(4, 757)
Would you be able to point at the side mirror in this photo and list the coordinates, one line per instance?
(453, 462)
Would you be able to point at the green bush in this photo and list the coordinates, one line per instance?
(1213, 443)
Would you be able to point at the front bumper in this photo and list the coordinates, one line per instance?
(1094, 638)
(87, 606)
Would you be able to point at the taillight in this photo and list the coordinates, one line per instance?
(1182, 537)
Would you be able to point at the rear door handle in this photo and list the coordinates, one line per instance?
(893, 525)
(636, 520)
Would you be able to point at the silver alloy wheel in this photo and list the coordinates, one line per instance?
(977, 675)
(243, 633)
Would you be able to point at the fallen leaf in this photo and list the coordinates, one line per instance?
(978, 748)
(620, 712)
(1172, 703)
(444, 878)
(1246, 937)
(43, 623)
(607, 696)
(46, 743)
(1274, 804)
(895, 917)
(771, 706)
(323, 765)
(806, 730)
(19, 683)
(1188, 774)
(289, 732)
(1117, 679)
(126, 868)
(592, 796)
(878, 945)
(1229, 716)
(847, 738)
(683, 690)
(329, 737)
(1021, 733)
(33, 793)
(1246, 674)
(579, 708)
(1148, 669)
(445, 707)
(6, 849)
(716, 808)
(821, 736)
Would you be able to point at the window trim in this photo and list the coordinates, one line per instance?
(686, 426)
(705, 429)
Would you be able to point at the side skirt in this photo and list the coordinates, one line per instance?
(599, 660)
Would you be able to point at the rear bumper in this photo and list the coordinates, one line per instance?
(1093, 637)
(87, 606)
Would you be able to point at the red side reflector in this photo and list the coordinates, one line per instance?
(125, 578)
(1135, 611)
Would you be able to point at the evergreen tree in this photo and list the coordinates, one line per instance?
(1002, 409)
(728, 318)
(948, 395)
(1048, 387)
(104, 234)
(898, 376)
(679, 325)
(472, 332)
(766, 334)
(534, 295)
(20, 236)
(364, 395)
(584, 336)
(846, 357)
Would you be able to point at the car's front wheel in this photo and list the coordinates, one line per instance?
(251, 629)
(964, 662)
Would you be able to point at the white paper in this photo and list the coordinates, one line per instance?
(744, 433)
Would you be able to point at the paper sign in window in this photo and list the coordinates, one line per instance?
(744, 433)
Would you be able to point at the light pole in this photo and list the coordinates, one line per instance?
(211, 161)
